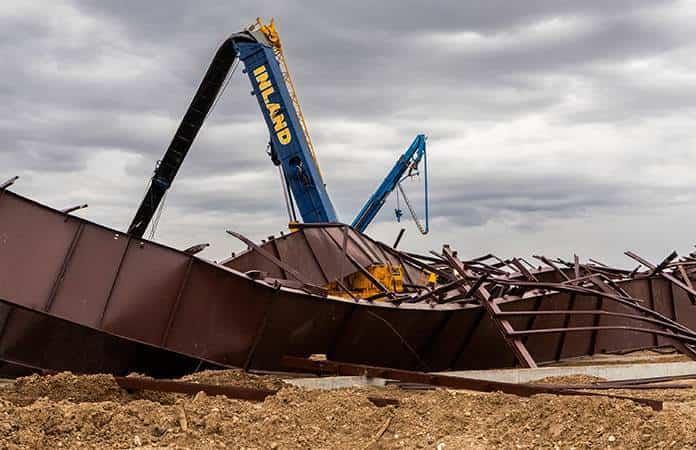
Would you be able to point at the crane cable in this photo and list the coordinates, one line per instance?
(158, 215)
(287, 195)
(407, 202)
(224, 86)
(400, 192)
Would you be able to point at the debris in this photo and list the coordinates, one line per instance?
(444, 313)
(380, 433)
(183, 420)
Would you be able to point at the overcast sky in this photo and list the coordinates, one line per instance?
(554, 126)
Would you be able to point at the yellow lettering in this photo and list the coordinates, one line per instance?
(273, 108)
(284, 136)
(265, 93)
(262, 77)
(279, 122)
(263, 81)
(278, 118)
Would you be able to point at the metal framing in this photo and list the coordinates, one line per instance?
(62, 277)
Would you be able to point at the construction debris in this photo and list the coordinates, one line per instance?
(74, 294)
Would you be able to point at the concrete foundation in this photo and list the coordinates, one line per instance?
(608, 372)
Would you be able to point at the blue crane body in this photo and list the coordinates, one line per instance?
(407, 163)
(289, 146)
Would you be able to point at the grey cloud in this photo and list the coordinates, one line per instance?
(370, 76)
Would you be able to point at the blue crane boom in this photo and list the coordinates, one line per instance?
(291, 145)
(404, 167)
(260, 50)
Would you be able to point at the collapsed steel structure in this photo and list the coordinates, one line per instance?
(488, 312)
(78, 296)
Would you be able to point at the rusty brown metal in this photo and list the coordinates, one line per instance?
(235, 392)
(32, 341)
(492, 309)
(7, 183)
(68, 285)
(182, 387)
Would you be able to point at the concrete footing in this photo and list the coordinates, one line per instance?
(608, 372)
(336, 382)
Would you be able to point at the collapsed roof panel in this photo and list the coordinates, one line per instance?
(78, 296)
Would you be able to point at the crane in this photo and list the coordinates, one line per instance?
(291, 149)
(260, 49)
(405, 167)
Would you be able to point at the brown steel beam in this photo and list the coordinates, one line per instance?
(423, 257)
(602, 294)
(398, 237)
(566, 323)
(307, 286)
(300, 226)
(678, 337)
(687, 280)
(437, 291)
(420, 264)
(262, 252)
(235, 392)
(599, 263)
(476, 287)
(5, 184)
(504, 327)
(64, 266)
(74, 208)
(523, 270)
(662, 265)
(667, 276)
(586, 312)
(522, 389)
(314, 256)
(576, 266)
(177, 301)
(608, 386)
(181, 387)
(551, 264)
(126, 247)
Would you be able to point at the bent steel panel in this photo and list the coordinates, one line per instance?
(84, 297)
(36, 339)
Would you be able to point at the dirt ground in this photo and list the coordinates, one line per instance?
(68, 411)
